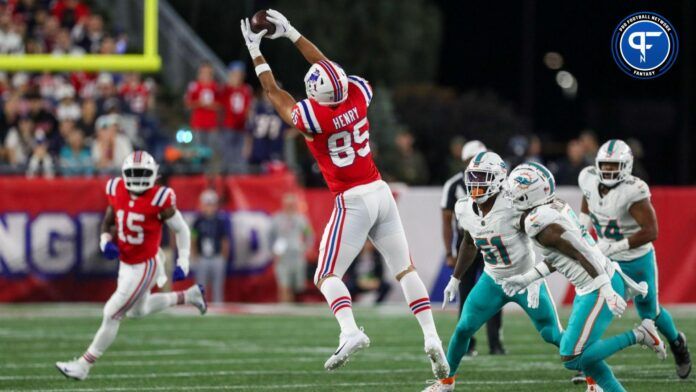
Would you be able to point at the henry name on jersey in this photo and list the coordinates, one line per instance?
(610, 213)
(506, 249)
(345, 119)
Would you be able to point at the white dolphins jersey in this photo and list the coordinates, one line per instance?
(560, 213)
(506, 250)
(609, 214)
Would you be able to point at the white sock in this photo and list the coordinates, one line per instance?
(156, 302)
(102, 340)
(419, 302)
(338, 298)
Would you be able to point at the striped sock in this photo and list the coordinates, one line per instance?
(338, 298)
(419, 302)
(88, 359)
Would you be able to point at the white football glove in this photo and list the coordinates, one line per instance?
(615, 302)
(282, 25)
(451, 291)
(251, 39)
(183, 263)
(515, 284)
(610, 248)
(533, 294)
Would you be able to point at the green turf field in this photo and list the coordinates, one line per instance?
(181, 352)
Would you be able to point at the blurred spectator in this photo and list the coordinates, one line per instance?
(45, 121)
(588, 139)
(267, 131)
(406, 163)
(69, 12)
(366, 274)
(67, 109)
(236, 97)
(291, 236)
(108, 100)
(202, 99)
(75, 157)
(569, 167)
(523, 149)
(534, 152)
(89, 116)
(19, 142)
(110, 147)
(211, 245)
(135, 93)
(89, 34)
(10, 39)
(41, 161)
(65, 46)
(638, 155)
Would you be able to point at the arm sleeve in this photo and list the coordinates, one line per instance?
(182, 233)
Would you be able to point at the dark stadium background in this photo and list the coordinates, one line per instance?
(494, 51)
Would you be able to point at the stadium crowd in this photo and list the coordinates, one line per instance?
(77, 123)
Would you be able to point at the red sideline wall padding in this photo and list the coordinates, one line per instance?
(49, 234)
(675, 247)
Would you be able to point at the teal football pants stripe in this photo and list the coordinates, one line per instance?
(641, 269)
(486, 299)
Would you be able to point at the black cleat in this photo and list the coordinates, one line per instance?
(498, 350)
(682, 357)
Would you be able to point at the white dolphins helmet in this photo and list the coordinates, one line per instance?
(618, 152)
(530, 185)
(484, 176)
(139, 171)
(326, 83)
(471, 148)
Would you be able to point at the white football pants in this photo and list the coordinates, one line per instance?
(365, 211)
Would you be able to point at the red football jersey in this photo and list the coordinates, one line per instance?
(341, 133)
(236, 102)
(204, 94)
(138, 224)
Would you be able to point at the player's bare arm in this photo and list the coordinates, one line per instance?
(465, 256)
(310, 51)
(552, 236)
(109, 220)
(644, 214)
(447, 236)
(281, 100)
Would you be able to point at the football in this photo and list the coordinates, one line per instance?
(259, 23)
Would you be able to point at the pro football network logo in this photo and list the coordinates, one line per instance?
(645, 45)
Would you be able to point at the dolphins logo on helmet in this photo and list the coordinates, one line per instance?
(530, 185)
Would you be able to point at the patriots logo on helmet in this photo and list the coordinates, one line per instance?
(314, 77)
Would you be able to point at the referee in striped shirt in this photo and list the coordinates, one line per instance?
(454, 190)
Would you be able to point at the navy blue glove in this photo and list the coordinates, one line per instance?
(110, 251)
(179, 274)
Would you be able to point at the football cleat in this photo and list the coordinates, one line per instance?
(442, 385)
(73, 369)
(592, 385)
(646, 335)
(348, 344)
(578, 378)
(682, 357)
(195, 295)
(438, 360)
